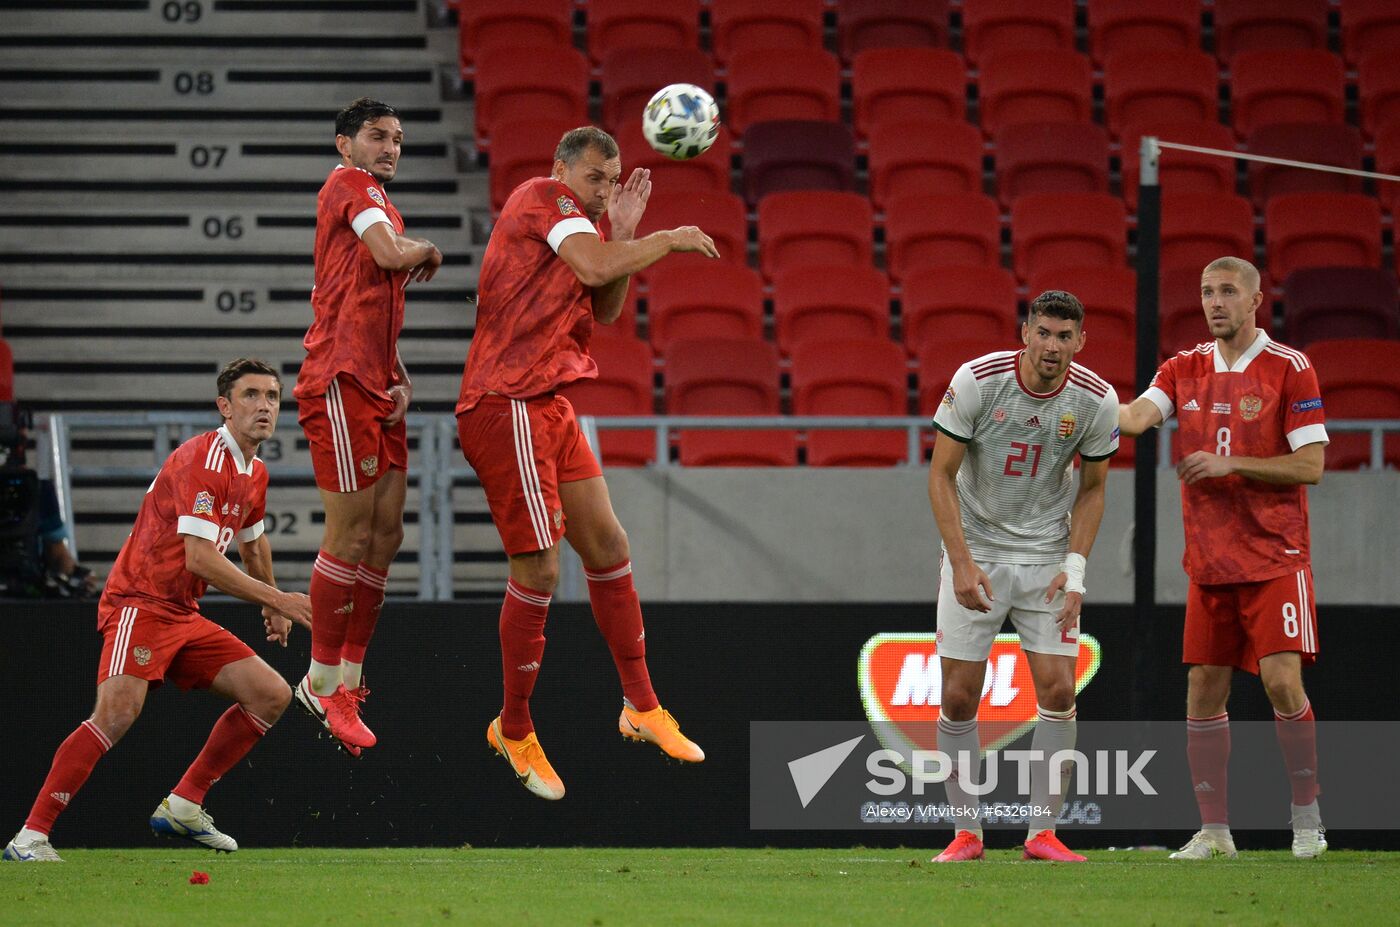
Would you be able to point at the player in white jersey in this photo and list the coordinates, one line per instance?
(1015, 538)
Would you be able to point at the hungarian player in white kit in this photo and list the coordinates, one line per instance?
(1016, 535)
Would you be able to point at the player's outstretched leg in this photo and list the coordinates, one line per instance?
(179, 817)
(660, 728)
(528, 762)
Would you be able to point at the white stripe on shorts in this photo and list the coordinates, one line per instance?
(121, 641)
(529, 476)
(340, 438)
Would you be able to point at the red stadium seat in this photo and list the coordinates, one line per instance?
(962, 302)
(907, 85)
(1051, 157)
(1035, 85)
(1109, 295)
(690, 301)
(623, 387)
(757, 25)
(522, 149)
(1142, 25)
(642, 25)
(941, 230)
(1318, 143)
(865, 376)
(1160, 85)
(1388, 162)
(1368, 26)
(1180, 171)
(1303, 85)
(1114, 360)
(512, 24)
(929, 156)
(1181, 319)
(708, 173)
(830, 301)
(1197, 228)
(629, 77)
(1067, 229)
(797, 154)
(1251, 25)
(7, 372)
(1322, 229)
(1340, 302)
(800, 83)
(1360, 379)
(815, 228)
(719, 215)
(548, 83)
(1379, 87)
(902, 24)
(718, 376)
(991, 27)
(940, 359)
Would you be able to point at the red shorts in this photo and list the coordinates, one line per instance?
(188, 650)
(351, 448)
(1236, 624)
(521, 451)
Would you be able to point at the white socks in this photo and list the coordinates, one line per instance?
(29, 835)
(1054, 731)
(183, 808)
(954, 738)
(350, 673)
(325, 677)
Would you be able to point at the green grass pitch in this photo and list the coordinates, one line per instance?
(609, 887)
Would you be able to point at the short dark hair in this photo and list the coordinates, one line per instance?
(235, 369)
(576, 141)
(349, 120)
(1057, 304)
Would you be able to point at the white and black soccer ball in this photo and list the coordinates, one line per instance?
(681, 121)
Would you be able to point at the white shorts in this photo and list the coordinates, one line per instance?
(1019, 593)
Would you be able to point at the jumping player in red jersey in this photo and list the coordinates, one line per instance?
(547, 278)
(1252, 436)
(211, 491)
(352, 393)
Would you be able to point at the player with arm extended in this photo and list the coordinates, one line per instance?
(1252, 433)
(547, 278)
(211, 491)
(1016, 535)
(353, 393)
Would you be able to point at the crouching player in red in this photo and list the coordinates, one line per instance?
(211, 491)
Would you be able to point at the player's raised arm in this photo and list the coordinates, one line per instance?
(203, 559)
(397, 253)
(597, 263)
(1136, 417)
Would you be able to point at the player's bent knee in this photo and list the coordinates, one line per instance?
(116, 716)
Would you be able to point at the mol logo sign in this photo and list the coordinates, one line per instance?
(901, 679)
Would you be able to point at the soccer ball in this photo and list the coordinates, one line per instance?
(681, 121)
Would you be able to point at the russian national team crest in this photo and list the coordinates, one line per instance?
(567, 206)
(142, 655)
(370, 466)
(1067, 424)
(901, 683)
(375, 195)
(1250, 407)
(203, 503)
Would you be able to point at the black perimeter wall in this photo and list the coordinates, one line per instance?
(435, 674)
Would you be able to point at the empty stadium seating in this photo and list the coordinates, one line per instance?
(721, 215)
(1197, 228)
(799, 83)
(907, 85)
(1317, 143)
(1050, 157)
(955, 302)
(511, 24)
(522, 149)
(938, 230)
(928, 156)
(1180, 171)
(812, 227)
(994, 26)
(548, 82)
(1321, 229)
(1340, 302)
(1067, 229)
(708, 173)
(738, 26)
(1250, 25)
(641, 25)
(1360, 379)
(1269, 86)
(822, 302)
(1034, 85)
(623, 387)
(716, 376)
(1368, 26)
(797, 154)
(1171, 85)
(1109, 295)
(1142, 25)
(721, 300)
(903, 24)
(628, 77)
(940, 359)
(850, 376)
(1378, 85)
(1388, 162)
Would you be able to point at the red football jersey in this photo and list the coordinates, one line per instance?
(358, 305)
(534, 317)
(1268, 404)
(206, 489)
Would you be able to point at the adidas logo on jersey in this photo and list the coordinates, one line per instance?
(63, 798)
(1191, 406)
(1033, 421)
(532, 667)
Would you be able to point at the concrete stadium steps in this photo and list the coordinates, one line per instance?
(434, 347)
(288, 121)
(178, 22)
(280, 269)
(220, 85)
(33, 305)
(227, 230)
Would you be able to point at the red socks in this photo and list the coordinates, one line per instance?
(332, 601)
(368, 598)
(1208, 751)
(72, 764)
(522, 647)
(619, 616)
(1297, 735)
(234, 734)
